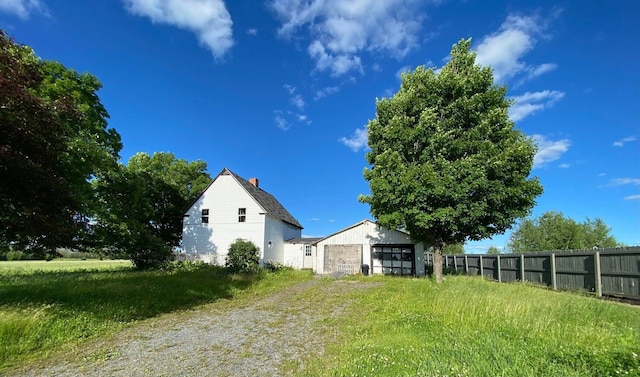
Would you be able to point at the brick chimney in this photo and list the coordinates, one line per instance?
(254, 181)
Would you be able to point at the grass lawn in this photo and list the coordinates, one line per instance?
(471, 327)
(402, 327)
(31, 266)
(45, 309)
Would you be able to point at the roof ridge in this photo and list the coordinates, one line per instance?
(267, 201)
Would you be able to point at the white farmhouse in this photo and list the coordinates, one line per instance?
(231, 208)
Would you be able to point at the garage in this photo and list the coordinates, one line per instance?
(383, 250)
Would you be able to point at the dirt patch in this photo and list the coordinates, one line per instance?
(271, 336)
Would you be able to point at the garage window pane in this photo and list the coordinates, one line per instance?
(393, 259)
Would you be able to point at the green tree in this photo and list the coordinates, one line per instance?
(53, 140)
(453, 249)
(553, 231)
(243, 256)
(38, 211)
(447, 164)
(142, 203)
(493, 250)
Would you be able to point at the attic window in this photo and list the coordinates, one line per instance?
(242, 215)
(205, 216)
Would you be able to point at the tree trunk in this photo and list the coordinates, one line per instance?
(437, 263)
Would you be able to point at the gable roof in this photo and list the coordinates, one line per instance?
(265, 200)
(306, 240)
(357, 225)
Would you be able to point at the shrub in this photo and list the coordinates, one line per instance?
(272, 266)
(243, 256)
(189, 266)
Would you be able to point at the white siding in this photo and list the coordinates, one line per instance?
(276, 232)
(223, 198)
(293, 254)
(366, 234)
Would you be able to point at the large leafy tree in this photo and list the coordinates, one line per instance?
(142, 203)
(447, 164)
(37, 209)
(553, 231)
(53, 139)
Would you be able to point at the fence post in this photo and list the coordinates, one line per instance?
(455, 264)
(522, 267)
(499, 271)
(596, 263)
(553, 272)
(481, 267)
(466, 265)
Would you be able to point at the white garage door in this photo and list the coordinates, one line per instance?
(342, 258)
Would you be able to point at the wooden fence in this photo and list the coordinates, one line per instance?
(611, 272)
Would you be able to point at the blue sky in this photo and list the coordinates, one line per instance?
(282, 90)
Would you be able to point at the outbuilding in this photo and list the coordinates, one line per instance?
(382, 250)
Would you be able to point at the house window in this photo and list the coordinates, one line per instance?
(205, 216)
(242, 215)
(307, 250)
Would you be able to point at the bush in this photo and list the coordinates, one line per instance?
(190, 266)
(243, 256)
(272, 266)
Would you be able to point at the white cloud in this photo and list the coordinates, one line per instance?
(289, 88)
(632, 197)
(280, 121)
(252, 31)
(548, 150)
(625, 181)
(532, 102)
(329, 90)
(342, 30)
(23, 8)
(622, 141)
(298, 101)
(208, 19)
(533, 72)
(564, 166)
(504, 49)
(358, 141)
(402, 70)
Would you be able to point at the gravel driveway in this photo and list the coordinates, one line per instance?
(271, 336)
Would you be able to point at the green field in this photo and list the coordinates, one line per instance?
(45, 309)
(471, 327)
(31, 266)
(402, 327)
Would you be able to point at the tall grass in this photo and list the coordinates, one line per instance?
(41, 311)
(470, 327)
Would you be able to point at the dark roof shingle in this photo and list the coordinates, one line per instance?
(267, 201)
